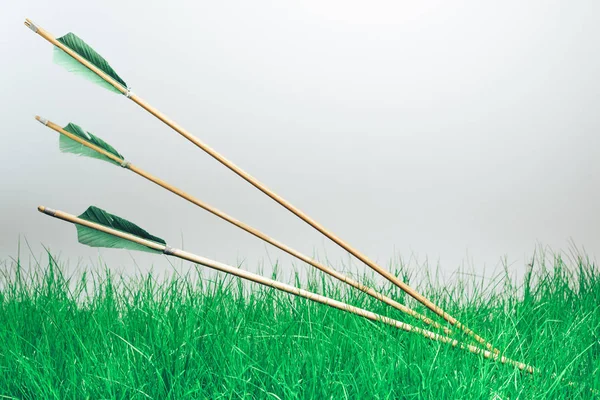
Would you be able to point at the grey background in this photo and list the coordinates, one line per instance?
(448, 133)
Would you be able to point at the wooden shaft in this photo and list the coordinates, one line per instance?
(288, 289)
(253, 181)
(248, 228)
(255, 232)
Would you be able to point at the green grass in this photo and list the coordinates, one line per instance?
(98, 335)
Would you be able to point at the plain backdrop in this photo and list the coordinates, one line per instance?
(448, 134)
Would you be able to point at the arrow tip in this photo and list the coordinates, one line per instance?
(28, 23)
(42, 120)
(47, 211)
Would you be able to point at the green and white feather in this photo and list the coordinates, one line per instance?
(95, 238)
(74, 43)
(68, 145)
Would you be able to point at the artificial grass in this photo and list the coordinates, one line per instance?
(98, 335)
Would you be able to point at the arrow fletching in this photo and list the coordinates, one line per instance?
(74, 43)
(95, 238)
(68, 145)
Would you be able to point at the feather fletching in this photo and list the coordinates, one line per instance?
(68, 145)
(96, 238)
(84, 50)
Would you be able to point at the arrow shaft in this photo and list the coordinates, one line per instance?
(255, 232)
(332, 272)
(263, 188)
(289, 289)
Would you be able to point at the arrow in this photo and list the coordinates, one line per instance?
(78, 52)
(98, 228)
(74, 139)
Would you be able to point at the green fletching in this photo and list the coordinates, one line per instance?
(96, 238)
(80, 47)
(68, 145)
(72, 65)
